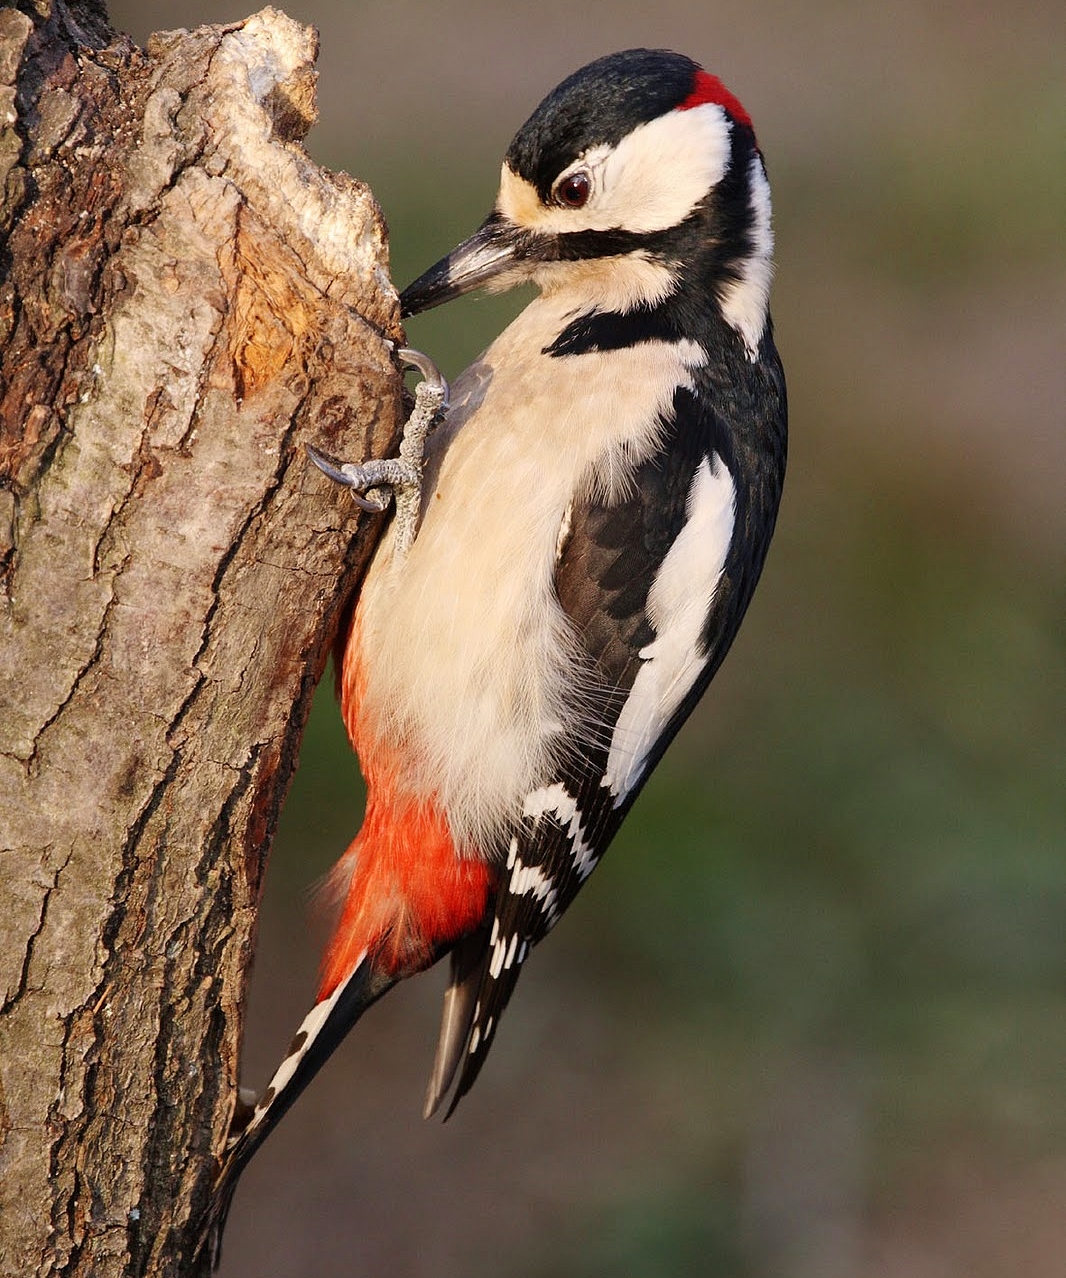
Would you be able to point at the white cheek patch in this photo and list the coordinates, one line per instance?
(650, 181)
(678, 603)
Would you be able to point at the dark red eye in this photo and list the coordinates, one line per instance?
(574, 190)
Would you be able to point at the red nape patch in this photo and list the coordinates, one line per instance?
(708, 88)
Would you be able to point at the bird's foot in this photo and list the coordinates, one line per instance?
(373, 483)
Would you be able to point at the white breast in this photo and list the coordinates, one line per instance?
(471, 666)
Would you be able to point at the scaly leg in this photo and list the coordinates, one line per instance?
(373, 482)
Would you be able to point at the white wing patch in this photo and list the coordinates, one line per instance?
(678, 602)
(555, 799)
(532, 881)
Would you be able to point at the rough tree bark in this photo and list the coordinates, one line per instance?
(185, 300)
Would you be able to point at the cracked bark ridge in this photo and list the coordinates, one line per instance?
(185, 298)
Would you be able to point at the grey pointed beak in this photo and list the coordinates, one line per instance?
(487, 257)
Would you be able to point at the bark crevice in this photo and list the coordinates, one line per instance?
(185, 300)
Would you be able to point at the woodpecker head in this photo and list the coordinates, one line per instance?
(638, 179)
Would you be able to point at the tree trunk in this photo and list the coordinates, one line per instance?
(185, 300)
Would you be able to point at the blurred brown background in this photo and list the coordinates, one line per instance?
(810, 1019)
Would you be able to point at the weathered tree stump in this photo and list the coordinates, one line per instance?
(186, 298)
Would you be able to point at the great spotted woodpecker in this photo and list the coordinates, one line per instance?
(593, 513)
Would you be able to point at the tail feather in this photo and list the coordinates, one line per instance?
(319, 1034)
(468, 961)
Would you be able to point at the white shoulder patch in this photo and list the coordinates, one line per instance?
(678, 603)
(745, 301)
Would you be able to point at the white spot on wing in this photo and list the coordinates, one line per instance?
(555, 799)
(552, 799)
(531, 879)
(564, 531)
(496, 962)
(745, 301)
(678, 603)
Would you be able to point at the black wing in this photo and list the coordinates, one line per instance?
(609, 564)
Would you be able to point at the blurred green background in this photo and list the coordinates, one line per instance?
(810, 1018)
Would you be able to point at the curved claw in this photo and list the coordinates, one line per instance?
(326, 466)
(340, 476)
(396, 479)
(431, 374)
